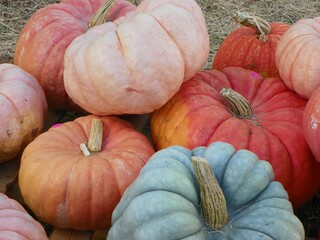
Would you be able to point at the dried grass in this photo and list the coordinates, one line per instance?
(219, 18)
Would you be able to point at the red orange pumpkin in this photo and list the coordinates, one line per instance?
(240, 107)
(251, 46)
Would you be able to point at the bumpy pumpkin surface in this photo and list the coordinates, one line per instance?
(164, 201)
(42, 43)
(266, 120)
(252, 46)
(136, 63)
(16, 223)
(23, 110)
(69, 189)
(297, 56)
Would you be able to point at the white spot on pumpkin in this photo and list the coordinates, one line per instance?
(314, 122)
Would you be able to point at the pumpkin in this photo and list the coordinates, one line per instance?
(42, 43)
(16, 223)
(297, 56)
(251, 46)
(73, 175)
(212, 192)
(311, 121)
(136, 63)
(240, 107)
(23, 110)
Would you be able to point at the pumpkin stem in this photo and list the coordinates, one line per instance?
(95, 138)
(238, 105)
(258, 23)
(101, 15)
(213, 202)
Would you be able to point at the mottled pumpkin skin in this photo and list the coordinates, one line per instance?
(311, 123)
(164, 200)
(197, 115)
(243, 48)
(16, 223)
(68, 190)
(42, 43)
(139, 61)
(23, 110)
(298, 56)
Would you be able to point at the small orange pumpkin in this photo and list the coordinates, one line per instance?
(73, 177)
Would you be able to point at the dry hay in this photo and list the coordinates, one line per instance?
(219, 18)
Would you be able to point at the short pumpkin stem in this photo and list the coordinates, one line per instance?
(238, 105)
(95, 138)
(101, 15)
(258, 23)
(213, 202)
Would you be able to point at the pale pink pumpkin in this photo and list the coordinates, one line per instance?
(16, 223)
(23, 110)
(42, 42)
(136, 63)
(298, 56)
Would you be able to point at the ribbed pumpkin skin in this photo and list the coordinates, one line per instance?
(16, 223)
(243, 48)
(163, 202)
(297, 56)
(68, 190)
(139, 61)
(42, 43)
(311, 121)
(197, 115)
(23, 110)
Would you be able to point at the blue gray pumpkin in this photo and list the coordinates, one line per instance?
(166, 201)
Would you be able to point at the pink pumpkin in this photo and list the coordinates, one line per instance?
(42, 42)
(135, 64)
(23, 110)
(16, 223)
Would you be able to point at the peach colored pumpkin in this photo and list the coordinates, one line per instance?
(23, 110)
(68, 189)
(42, 43)
(298, 56)
(16, 223)
(136, 63)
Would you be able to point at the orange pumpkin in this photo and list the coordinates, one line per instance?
(136, 63)
(252, 46)
(23, 110)
(73, 177)
(16, 223)
(42, 43)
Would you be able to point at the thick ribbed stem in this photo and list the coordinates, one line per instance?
(101, 14)
(95, 138)
(238, 105)
(262, 26)
(213, 202)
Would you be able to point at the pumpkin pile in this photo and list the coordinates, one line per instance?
(232, 151)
